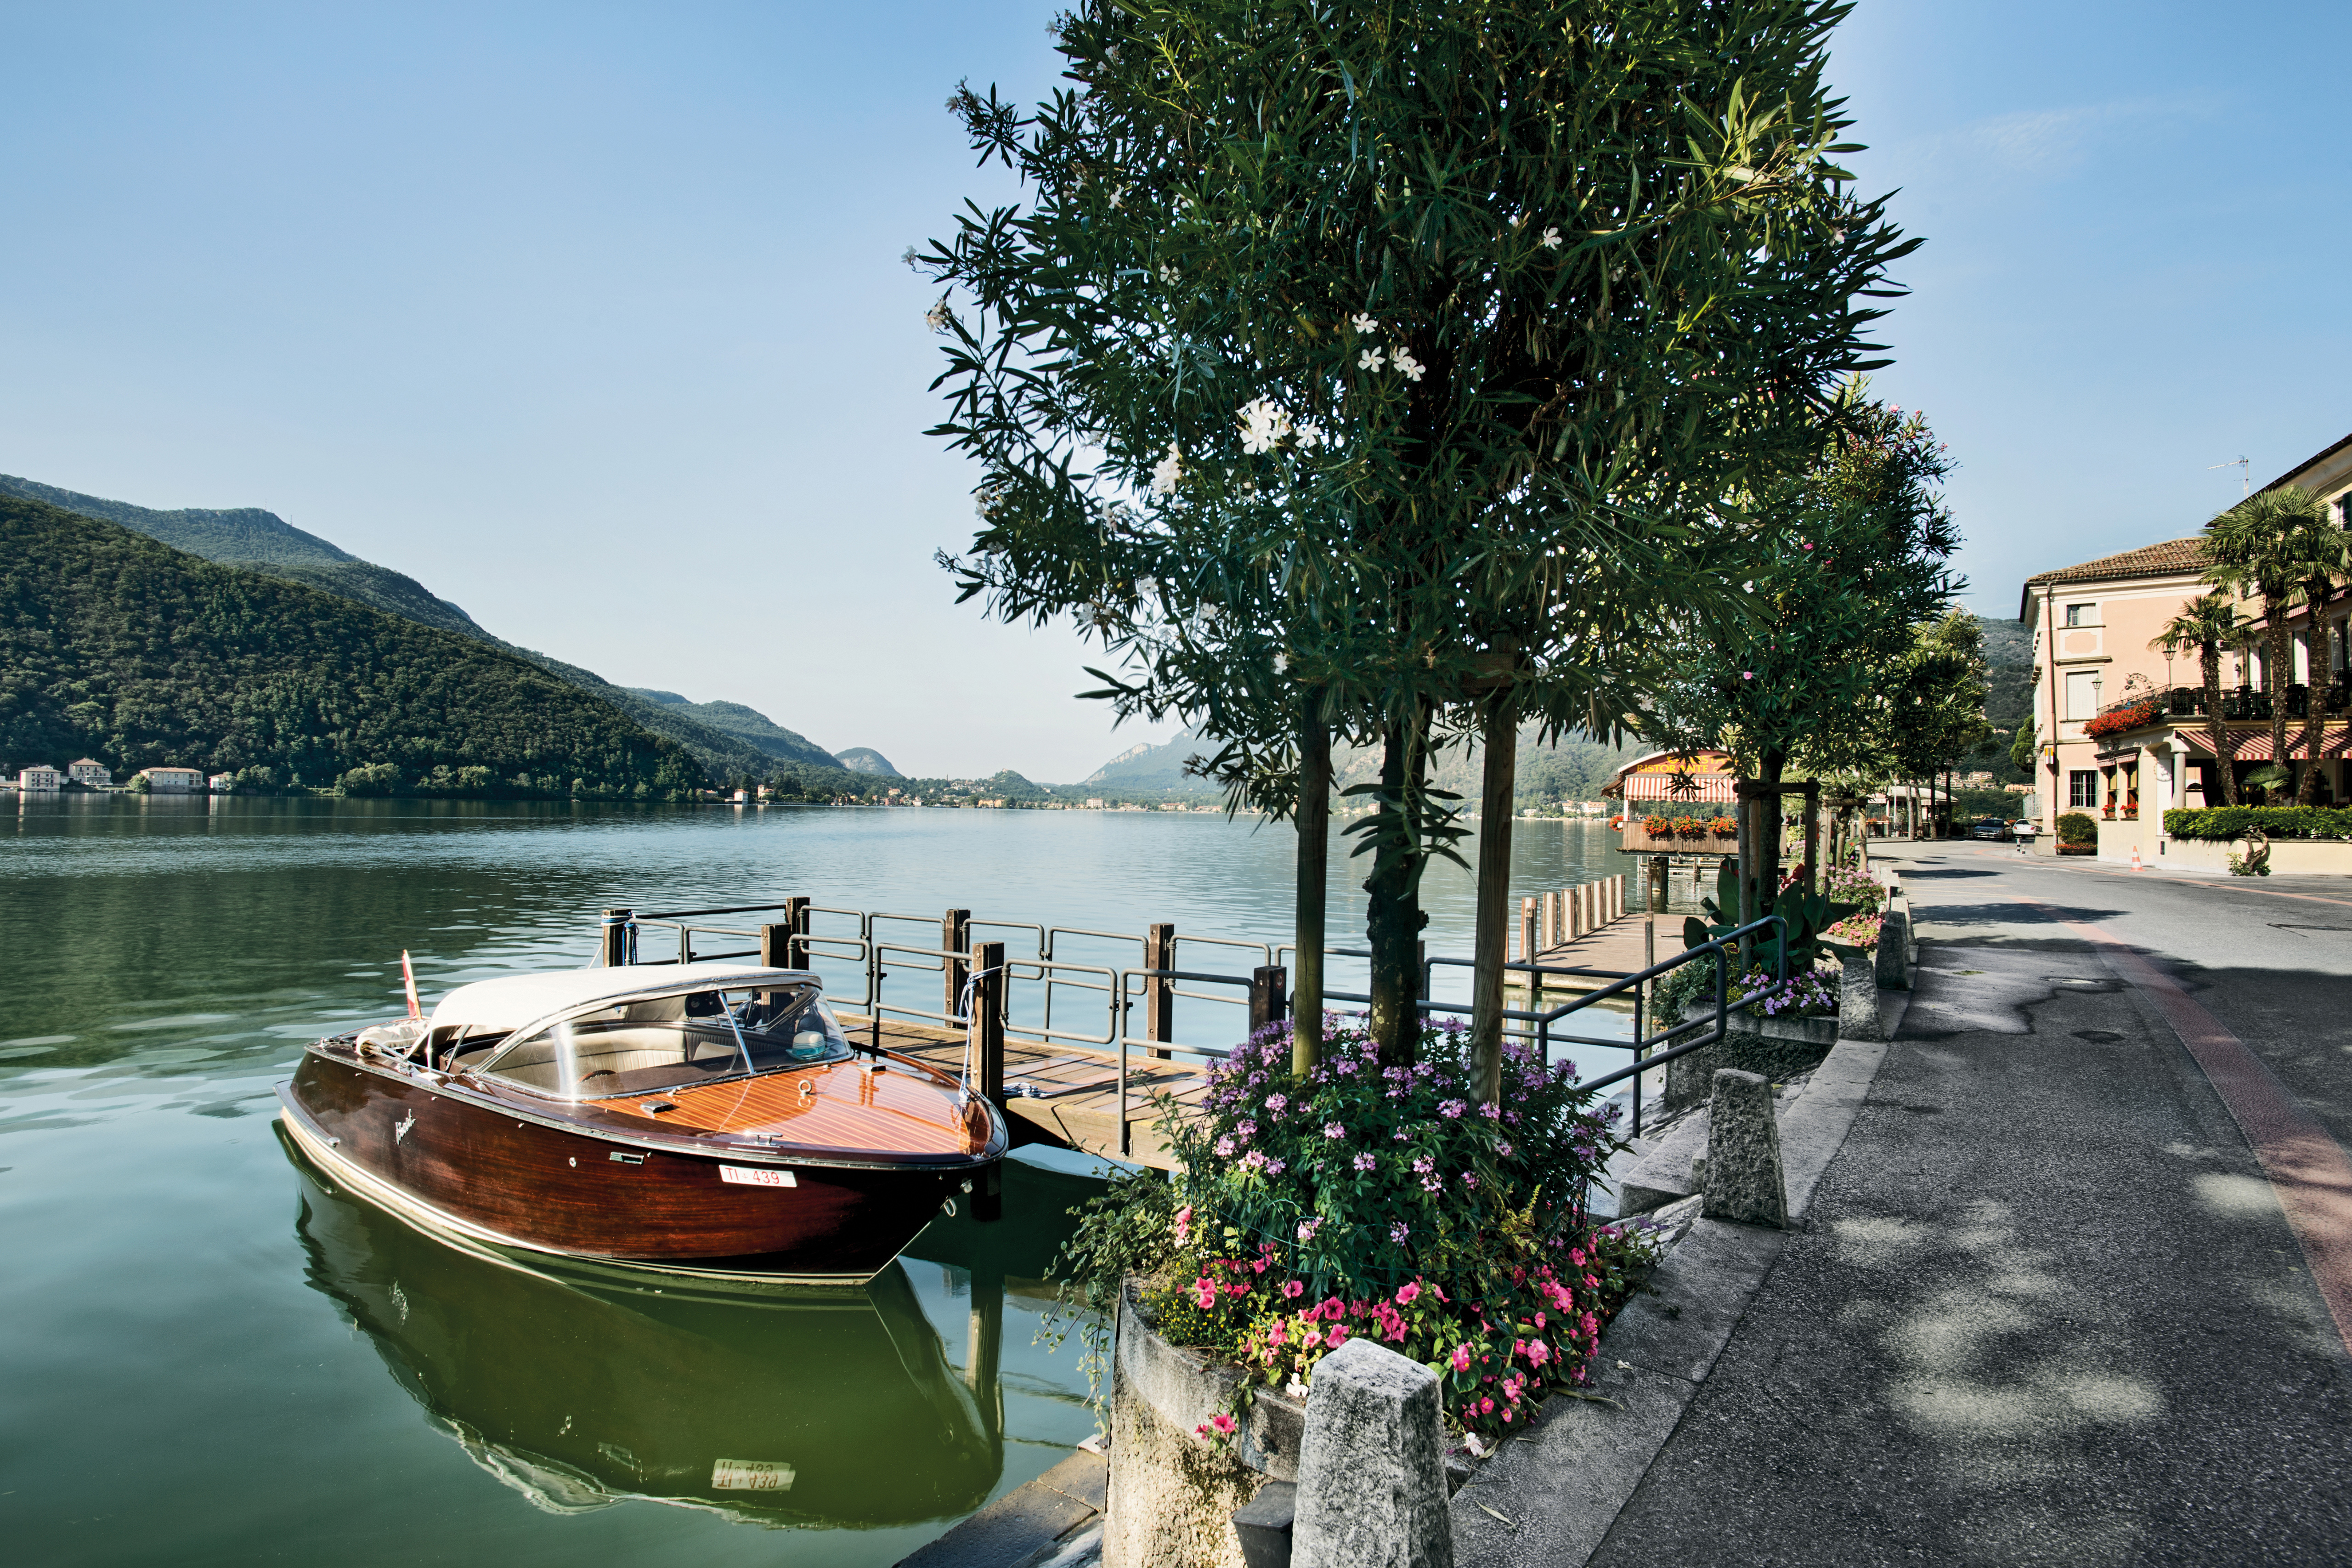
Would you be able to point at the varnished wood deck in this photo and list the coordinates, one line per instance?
(1621, 947)
(1079, 1109)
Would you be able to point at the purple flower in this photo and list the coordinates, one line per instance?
(1225, 1148)
(1452, 1109)
(1490, 1111)
(1275, 1104)
(1365, 1162)
(1275, 1167)
(1334, 1130)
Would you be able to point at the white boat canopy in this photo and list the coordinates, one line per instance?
(511, 1001)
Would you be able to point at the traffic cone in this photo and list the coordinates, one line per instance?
(2135, 856)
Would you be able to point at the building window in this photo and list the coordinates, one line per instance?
(2083, 790)
(2082, 615)
(2082, 694)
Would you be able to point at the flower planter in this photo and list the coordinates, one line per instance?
(1173, 1494)
(1775, 1048)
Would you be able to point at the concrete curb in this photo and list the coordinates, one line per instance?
(1550, 1496)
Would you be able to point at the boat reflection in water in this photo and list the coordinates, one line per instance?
(580, 1385)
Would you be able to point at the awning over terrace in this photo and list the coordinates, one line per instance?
(2256, 747)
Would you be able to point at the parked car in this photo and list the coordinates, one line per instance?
(2021, 830)
(1991, 827)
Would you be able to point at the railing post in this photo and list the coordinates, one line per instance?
(775, 942)
(618, 938)
(955, 937)
(1421, 958)
(1159, 992)
(1269, 999)
(1527, 929)
(988, 1018)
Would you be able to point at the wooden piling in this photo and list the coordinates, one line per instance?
(1160, 993)
(988, 1018)
(955, 937)
(1527, 946)
(796, 916)
(616, 938)
(1269, 996)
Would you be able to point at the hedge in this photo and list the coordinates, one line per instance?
(2077, 827)
(2230, 822)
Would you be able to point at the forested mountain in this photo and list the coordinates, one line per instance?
(747, 724)
(264, 542)
(117, 646)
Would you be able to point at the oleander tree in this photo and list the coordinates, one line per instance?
(1359, 368)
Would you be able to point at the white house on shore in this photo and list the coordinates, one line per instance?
(39, 779)
(89, 772)
(173, 781)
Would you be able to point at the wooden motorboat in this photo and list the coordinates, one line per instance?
(706, 1119)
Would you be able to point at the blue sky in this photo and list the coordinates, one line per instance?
(591, 317)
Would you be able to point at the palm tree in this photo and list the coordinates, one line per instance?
(2208, 624)
(2261, 548)
(2323, 553)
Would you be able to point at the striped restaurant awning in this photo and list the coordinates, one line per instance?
(1710, 788)
(2256, 748)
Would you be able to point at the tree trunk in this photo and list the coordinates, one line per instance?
(1394, 921)
(1492, 949)
(1312, 815)
(2315, 697)
(2216, 731)
(1767, 852)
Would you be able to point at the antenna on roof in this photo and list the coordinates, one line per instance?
(2238, 464)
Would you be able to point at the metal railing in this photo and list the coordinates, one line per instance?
(1536, 1026)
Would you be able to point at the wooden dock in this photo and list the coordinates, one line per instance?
(1078, 1104)
(1622, 947)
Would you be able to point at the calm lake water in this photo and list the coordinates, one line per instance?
(212, 1356)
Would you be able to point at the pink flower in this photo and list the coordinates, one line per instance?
(1538, 1353)
(1184, 1223)
(1746, 675)
(1225, 1424)
(1406, 1294)
(1462, 1358)
(1487, 1407)
(1336, 1335)
(1204, 1293)
(1292, 1288)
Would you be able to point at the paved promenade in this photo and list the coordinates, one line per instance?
(2063, 1295)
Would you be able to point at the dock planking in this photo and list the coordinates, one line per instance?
(1077, 1106)
(1622, 947)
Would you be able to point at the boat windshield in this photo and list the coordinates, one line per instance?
(667, 1043)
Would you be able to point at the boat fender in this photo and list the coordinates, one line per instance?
(949, 1208)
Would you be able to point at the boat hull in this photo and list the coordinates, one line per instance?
(466, 1167)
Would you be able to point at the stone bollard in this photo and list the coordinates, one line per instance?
(1742, 1180)
(1858, 997)
(1895, 943)
(1372, 1466)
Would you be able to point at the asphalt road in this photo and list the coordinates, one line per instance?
(2049, 1308)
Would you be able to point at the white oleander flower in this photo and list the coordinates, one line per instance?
(1552, 240)
(937, 318)
(1364, 324)
(1168, 472)
(1263, 426)
(1409, 367)
(1370, 359)
(1168, 276)
(1310, 434)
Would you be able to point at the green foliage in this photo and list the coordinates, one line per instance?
(1807, 916)
(2023, 747)
(2077, 827)
(115, 646)
(2223, 823)
(1127, 1228)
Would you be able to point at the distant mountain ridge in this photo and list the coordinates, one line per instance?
(866, 760)
(727, 738)
(1565, 770)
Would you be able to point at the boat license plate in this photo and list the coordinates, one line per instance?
(751, 1475)
(756, 1176)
